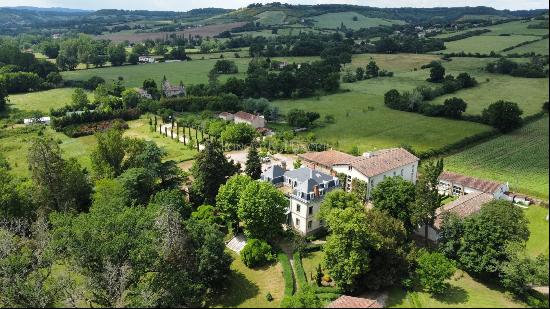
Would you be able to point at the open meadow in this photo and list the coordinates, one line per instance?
(190, 72)
(520, 158)
(484, 44)
(335, 20)
(42, 101)
(538, 47)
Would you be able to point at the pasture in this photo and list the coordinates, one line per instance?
(538, 47)
(538, 226)
(335, 20)
(42, 101)
(520, 158)
(271, 18)
(484, 44)
(190, 72)
(516, 27)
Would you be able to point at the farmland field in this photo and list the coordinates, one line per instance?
(539, 47)
(516, 27)
(520, 158)
(271, 18)
(190, 72)
(484, 44)
(42, 101)
(335, 20)
(538, 226)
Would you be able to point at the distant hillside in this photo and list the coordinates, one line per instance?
(52, 9)
(293, 13)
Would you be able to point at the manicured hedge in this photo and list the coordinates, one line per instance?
(58, 123)
(300, 273)
(327, 289)
(287, 273)
(328, 296)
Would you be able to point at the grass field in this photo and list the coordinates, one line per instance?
(190, 72)
(42, 101)
(247, 288)
(538, 226)
(15, 146)
(520, 158)
(271, 18)
(465, 292)
(310, 261)
(335, 20)
(516, 27)
(539, 47)
(484, 44)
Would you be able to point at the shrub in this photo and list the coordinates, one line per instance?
(256, 253)
(503, 115)
(433, 271)
(300, 273)
(269, 297)
(287, 274)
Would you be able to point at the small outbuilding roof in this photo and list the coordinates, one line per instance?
(463, 207)
(482, 185)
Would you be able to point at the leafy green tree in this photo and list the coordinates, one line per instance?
(15, 196)
(3, 95)
(437, 73)
(433, 271)
(61, 185)
(427, 196)
(238, 133)
(486, 235)
(130, 98)
(117, 54)
(304, 298)
(253, 163)
(450, 236)
(359, 188)
(256, 253)
(359, 73)
(262, 210)
(139, 184)
(150, 86)
(372, 69)
(173, 199)
(25, 269)
(133, 58)
(67, 59)
(348, 249)
(210, 170)
(206, 213)
(80, 98)
(395, 196)
(227, 200)
(109, 154)
(521, 271)
(503, 115)
(338, 199)
(454, 107)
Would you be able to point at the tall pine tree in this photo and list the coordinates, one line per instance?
(253, 163)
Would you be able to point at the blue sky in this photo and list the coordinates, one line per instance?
(184, 5)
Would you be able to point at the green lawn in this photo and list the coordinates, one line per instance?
(465, 292)
(520, 158)
(42, 101)
(335, 20)
(539, 47)
(538, 226)
(247, 288)
(484, 44)
(310, 261)
(516, 27)
(190, 72)
(15, 146)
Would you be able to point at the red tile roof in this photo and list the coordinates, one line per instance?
(482, 185)
(463, 207)
(383, 161)
(327, 158)
(345, 301)
(246, 116)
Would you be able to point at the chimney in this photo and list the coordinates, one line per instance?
(316, 192)
(283, 165)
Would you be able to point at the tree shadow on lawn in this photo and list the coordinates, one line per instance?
(453, 295)
(237, 290)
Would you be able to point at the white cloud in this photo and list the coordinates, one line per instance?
(190, 4)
